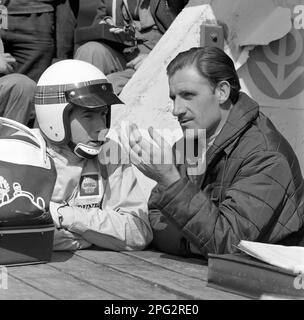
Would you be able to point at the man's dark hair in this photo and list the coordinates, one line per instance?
(212, 63)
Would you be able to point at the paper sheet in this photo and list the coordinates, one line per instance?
(289, 258)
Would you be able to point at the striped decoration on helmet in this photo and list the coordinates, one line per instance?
(55, 94)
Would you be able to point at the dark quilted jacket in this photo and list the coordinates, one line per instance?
(252, 189)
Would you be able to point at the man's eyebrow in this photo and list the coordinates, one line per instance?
(191, 91)
(86, 110)
(182, 92)
(94, 110)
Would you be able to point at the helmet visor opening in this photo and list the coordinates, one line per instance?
(95, 95)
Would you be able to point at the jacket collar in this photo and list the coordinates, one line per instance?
(241, 115)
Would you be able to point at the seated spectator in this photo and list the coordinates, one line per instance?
(38, 31)
(150, 18)
(16, 92)
(247, 186)
(94, 201)
(66, 22)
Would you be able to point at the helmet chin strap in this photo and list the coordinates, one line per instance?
(84, 151)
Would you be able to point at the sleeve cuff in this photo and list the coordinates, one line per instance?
(72, 219)
(165, 196)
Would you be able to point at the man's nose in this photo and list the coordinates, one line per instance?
(178, 109)
(99, 123)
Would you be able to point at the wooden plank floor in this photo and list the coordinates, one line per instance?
(106, 275)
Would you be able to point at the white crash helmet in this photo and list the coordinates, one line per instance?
(62, 85)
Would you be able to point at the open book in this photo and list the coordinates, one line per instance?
(289, 258)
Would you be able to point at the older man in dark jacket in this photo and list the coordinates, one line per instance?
(252, 187)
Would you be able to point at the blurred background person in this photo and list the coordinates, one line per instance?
(150, 20)
(39, 31)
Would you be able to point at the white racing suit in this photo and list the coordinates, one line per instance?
(106, 205)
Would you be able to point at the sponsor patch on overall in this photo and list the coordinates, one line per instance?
(89, 185)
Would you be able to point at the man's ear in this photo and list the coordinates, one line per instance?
(222, 91)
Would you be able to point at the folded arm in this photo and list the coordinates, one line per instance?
(122, 222)
(250, 208)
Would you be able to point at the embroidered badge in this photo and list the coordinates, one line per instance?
(89, 185)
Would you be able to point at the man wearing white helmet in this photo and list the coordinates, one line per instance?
(92, 202)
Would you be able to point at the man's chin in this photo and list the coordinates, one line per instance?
(95, 144)
(191, 134)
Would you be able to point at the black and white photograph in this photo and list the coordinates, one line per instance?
(151, 153)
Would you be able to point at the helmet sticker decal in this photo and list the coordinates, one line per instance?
(18, 193)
